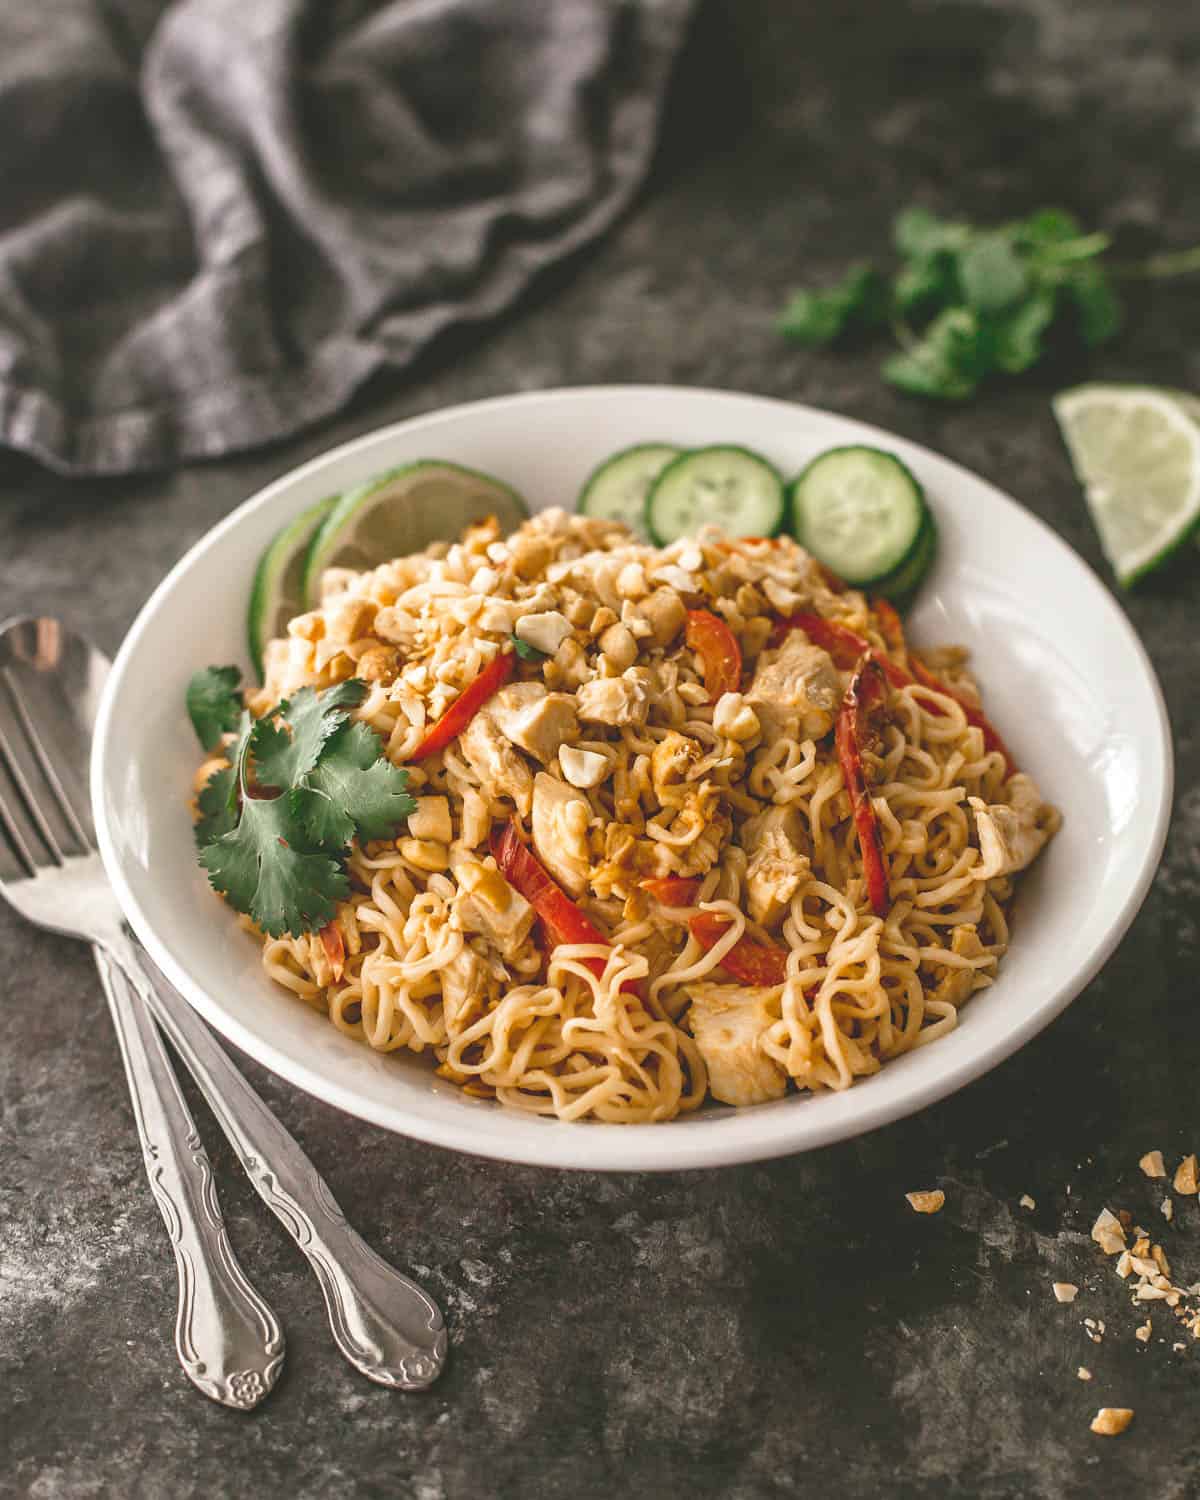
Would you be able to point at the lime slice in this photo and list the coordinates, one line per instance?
(402, 512)
(277, 593)
(1136, 451)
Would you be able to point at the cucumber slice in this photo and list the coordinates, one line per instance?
(729, 486)
(857, 510)
(277, 593)
(901, 585)
(616, 490)
(403, 511)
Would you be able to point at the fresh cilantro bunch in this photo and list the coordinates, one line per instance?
(967, 302)
(276, 823)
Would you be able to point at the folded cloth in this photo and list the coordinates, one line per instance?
(218, 217)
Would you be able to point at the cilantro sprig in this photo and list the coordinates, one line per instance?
(276, 823)
(967, 303)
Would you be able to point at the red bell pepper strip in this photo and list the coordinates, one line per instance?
(467, 704)
(716, 645)
(562, 921)
(864, 700)
(749, 960)
(844, 645)
(975, 716)
(677, 890)
(891, 627)
(335, 948)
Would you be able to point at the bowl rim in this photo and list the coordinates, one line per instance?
(732, 1136)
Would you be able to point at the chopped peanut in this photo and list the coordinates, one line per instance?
(1108, 1233)
(1065, 1291)
(1111, 1421)
(1186, 1180)
(928, 1202)
(1152, 1164)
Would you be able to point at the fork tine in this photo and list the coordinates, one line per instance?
(16, 839)
(25, 793)
(46, 766)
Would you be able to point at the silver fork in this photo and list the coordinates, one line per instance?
(382, 1322)
(228, 1339)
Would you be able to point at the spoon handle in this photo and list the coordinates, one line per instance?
(229, 1341)
(383, 1323)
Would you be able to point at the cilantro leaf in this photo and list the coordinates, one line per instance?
(1017, 338)
(214, 703)
(991, 273)
(918, 233)
(1049, 226)
(267, 869)
(218, 804)
(218, 799)
(947, 361)
(281, 757)
(859, 301)
(355, 776)
(1097, 310)
(525, 651)
(923, 284)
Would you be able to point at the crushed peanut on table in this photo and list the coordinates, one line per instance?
(1111, 1421)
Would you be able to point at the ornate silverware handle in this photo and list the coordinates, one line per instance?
(229, 1342)
(383, 1323)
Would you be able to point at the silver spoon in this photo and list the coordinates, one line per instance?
(382, 1322)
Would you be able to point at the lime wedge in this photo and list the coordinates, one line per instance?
(277, 593)
(1136, 451)
(402, 512)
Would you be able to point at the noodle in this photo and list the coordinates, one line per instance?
(744, 800)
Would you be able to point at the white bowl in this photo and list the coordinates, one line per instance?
(1065, 678)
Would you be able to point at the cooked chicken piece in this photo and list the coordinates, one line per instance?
(955, 985)
(560, 828)
(487, 904)
(670, 764)
(545, 631)
(727, 1021)
(1012, 835)
(464, 983)
(501, 771)
(582, 768)
(797, 692)
(533, 719)
(613, 700)
(779, 848)
(431, 820)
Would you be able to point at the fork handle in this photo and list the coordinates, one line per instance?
(383, 1323)
(229, 1341)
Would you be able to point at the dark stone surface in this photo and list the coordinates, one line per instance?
(777, 1330)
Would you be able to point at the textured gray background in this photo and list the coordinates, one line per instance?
(788, 1329)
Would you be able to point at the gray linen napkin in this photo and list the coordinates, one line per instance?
(218, 217)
